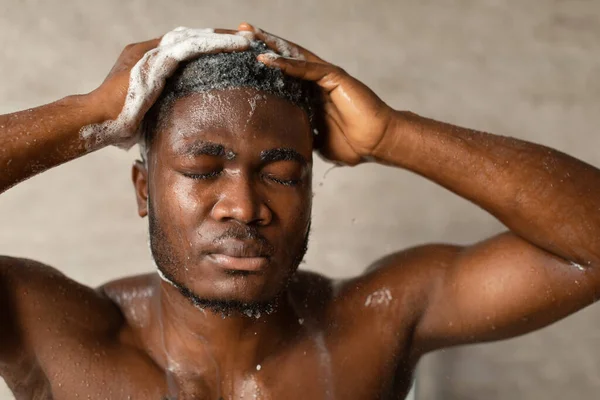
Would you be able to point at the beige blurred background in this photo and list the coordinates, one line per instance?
(529, 69)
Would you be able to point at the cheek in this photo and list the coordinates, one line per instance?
(293, 209)
(179, 201)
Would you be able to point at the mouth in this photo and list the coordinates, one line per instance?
(251, 264)
(236, 255)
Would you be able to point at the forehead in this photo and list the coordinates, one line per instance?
(237, 118)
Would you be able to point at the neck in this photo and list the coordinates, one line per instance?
(189, 335)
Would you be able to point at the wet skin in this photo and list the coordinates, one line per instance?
(360, 338)
(140, 337)
(229, 190)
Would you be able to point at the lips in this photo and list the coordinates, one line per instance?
(253, 264)
(240, 255)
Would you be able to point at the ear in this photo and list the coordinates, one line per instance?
(139, 176)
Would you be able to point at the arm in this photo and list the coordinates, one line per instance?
(542, 195)
(35, 140)
(31, 142)
(545, 268)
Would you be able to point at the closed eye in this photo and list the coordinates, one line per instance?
(285, 182)
(214, 174)
(284, 172)
(209, 175)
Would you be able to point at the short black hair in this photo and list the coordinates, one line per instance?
(224, 71)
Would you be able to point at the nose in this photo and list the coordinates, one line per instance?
(238, 200)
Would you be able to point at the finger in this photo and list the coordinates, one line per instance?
(148, 44)
(336, 147)
(280, 45)
(140, 48)
(228, 31)
(328, 76)
(245, 26)
(131, 54)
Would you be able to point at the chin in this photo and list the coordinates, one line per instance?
(242, 291)
(242, 287)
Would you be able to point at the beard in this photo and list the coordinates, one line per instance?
(165, 257)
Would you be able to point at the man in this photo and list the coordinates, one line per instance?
(225, 179)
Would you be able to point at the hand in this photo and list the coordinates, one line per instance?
(139, 75)
(355, 118)
(110, 96)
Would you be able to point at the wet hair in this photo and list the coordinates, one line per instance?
(229, 70)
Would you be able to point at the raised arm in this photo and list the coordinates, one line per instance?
(31, 142)
(546, 267)
(40, 138)
(35, 140)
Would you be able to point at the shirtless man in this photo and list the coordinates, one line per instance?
(226, 182)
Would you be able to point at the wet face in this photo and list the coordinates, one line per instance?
(228, 188)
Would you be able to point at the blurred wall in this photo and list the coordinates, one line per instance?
(526, 69)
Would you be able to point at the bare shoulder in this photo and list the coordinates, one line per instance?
(132, 295)
(38, 302)
(35, 286)
(404, 274)
(409, 275)
(311, 291)
(395, 288)
(372, 317)
(118, 288)
(411, 268)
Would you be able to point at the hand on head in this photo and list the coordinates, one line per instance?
(139, 75)
(355, 119)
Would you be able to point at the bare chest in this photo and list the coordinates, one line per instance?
(315, 369)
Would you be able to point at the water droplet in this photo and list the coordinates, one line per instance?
(301, 321)
(578, 266)
(258, 367)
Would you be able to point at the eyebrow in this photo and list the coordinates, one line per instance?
(282, 154)
(203, 148)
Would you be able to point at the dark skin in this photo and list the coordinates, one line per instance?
(361, 338)
(250, 172)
